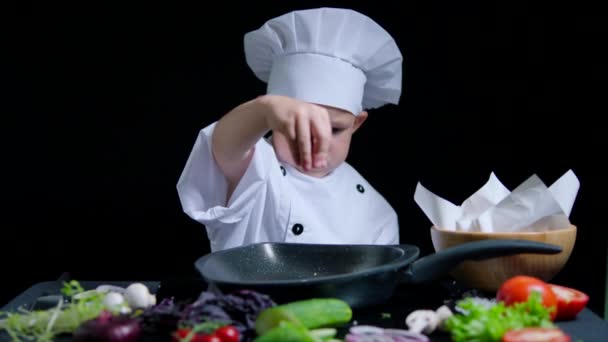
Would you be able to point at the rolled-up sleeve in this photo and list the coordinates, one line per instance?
(202, 187)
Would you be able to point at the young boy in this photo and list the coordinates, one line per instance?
(323, 68)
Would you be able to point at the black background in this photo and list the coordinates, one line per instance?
(103, 106)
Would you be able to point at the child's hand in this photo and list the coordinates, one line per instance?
(306, 126)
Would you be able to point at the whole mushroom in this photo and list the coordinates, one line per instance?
(138, 296)
(113, 299)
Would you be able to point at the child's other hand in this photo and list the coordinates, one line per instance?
(306, 126)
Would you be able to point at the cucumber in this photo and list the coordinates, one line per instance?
(320, 312)
(287, 332)
(311, 314)
(324, 333)
(272, 317)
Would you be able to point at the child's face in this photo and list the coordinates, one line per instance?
(343, 125)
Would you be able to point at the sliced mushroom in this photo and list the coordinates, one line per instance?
(422, 321)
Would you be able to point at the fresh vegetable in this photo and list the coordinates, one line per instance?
(207, 332)
(138, 296)
(443, 313)
(370, 333)
(113, 299)
(310, 313)
(519, 288)
(483, 323)
(536, 335)
(228, 334)
(286, 331)
(110, 288)
(422, 321)
(271, 318)
(238, 309)
(325, 334)
(108, 328)
(184, 334)
(45, 325)
(71, 288)
(161, 319)
(311, 320)
(210, 338)
(569, 301)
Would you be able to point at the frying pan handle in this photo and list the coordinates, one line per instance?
(436, 265)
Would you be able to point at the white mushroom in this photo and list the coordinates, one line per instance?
(113, 299)
(422, 321)
(138, 296)
(443, 313)
(110, 288)
(116, 301)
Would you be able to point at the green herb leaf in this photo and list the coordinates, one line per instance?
(71, 288)
(481, 323)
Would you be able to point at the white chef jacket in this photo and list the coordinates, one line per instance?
(275, 202)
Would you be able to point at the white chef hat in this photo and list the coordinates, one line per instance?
(329, 56)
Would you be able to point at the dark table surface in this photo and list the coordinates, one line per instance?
(587, 327)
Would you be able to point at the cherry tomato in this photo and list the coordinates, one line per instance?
(518, 289)
(180, 334)
(210, 338)
(228, 334)
(536, 335)
(569, 302)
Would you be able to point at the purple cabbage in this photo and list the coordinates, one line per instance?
(162, 319)
(239, 309)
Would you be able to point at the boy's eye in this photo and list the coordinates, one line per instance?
(336, 130)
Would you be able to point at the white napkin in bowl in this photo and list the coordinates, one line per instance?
(532, 206)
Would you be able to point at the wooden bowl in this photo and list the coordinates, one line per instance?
(489, 274)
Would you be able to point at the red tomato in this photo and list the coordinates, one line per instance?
(569, 301)
(180, 334)
(536, 335)
(210, 338)
(518, 289)
(183, 333)
(228, 334)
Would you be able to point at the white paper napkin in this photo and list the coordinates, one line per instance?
(532, 206)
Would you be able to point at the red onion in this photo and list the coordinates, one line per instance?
(365, 330)
(368, 338)
(400, 335)
(369, 333)
(108, 328)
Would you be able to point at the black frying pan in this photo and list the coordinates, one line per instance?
(361, 275)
